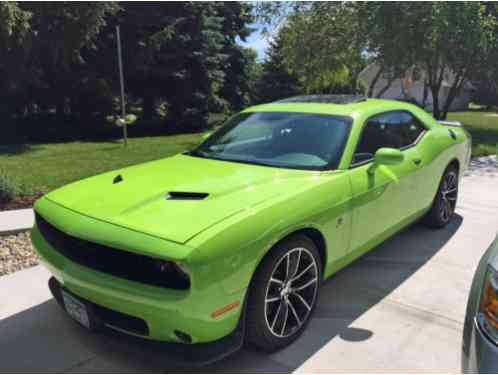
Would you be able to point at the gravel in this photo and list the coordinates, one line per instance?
(16, 253)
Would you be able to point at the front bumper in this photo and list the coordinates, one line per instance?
(183, 355)
(481, 355)
(163, 310)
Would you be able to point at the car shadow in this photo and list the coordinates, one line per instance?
(346, 296)
(44, 339)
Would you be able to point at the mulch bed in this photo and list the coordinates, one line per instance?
(20, 202)
(16, 253)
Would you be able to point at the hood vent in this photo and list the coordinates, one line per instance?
(182, 195)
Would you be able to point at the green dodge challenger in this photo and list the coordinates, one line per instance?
(233, 238)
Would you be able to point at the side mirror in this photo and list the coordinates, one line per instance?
(386, 156)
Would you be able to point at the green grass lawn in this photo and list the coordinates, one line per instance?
(52, 165)
(483, 126)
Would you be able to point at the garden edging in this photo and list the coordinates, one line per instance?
(16, 221)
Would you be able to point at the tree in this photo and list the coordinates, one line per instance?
(446, 41)
(454, 40)
(14, 25)
(147, 34)
(182, 53)
(197, 60)
(275, 81)
(14, 30)
(253, 69)
(59, 33)
(322, 47)
(240, 61)
(240, 75)
(322, 44)
(485, 76)
(61, 58)
(390, 47)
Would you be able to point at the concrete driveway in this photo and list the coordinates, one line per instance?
(400, 308)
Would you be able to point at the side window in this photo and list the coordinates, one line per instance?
(411, 129)
(378, 132)
(391, 129)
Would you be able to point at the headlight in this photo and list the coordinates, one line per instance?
(173, 274)
(487, 316)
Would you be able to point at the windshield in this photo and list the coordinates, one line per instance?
(279, 139)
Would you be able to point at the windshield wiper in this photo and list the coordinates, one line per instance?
(255, 162)
(196, 153)
(206, 155)
(245, 161)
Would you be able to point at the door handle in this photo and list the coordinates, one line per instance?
(417, 161)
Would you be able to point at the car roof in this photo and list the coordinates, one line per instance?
(342, 105)
(330, 99)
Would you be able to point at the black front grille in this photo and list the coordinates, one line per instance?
(119, 263)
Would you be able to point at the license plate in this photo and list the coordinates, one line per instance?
(76, 309)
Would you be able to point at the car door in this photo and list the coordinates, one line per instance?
(382, 201)
(412, 132)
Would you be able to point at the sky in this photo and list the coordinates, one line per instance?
(257, 41)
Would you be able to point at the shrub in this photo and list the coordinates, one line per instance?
(9, 188)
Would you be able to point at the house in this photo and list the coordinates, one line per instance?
(412, 87)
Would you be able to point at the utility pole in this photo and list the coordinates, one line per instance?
(121, 81)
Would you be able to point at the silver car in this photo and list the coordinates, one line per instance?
(480, 333)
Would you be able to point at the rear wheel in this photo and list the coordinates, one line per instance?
(283, 294)
(444, 204)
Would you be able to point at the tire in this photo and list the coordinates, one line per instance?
(281, 302)
(443, 206)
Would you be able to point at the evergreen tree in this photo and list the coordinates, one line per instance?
(147, 35)
(196, 64)
(61, 58)
(14, 30)
(173, 52)
(236, 86)
(275, 81)
(59, 33)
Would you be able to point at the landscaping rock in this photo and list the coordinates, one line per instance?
(16, 253)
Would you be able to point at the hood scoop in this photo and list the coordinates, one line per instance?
(117, 179)
(183, 195)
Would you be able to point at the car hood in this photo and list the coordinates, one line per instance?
(142, 197)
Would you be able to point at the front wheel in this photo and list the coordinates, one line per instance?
(444, 204)
(283, 294)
